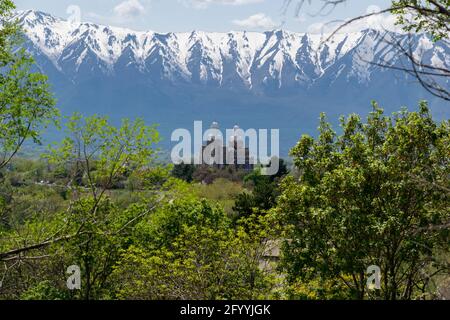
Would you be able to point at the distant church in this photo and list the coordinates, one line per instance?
(234, 154)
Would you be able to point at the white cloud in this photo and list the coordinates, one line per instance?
(373, 9)
(256, 21)
(123, 14)
(377, 22)
(129, 9)
(202, 4)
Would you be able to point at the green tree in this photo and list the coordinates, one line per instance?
(259, 201)
(264, 193)
(100, 153)
(94, 228)
(162, 227)
(184, 171)
(189, 250)
(26, 104)
(357, 203)
(432, 16)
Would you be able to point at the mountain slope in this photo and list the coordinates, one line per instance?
(276, 79)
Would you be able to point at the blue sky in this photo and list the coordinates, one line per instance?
(205, 15)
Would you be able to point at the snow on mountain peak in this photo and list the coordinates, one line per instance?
(209, 57)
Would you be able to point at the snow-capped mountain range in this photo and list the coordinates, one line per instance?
(247, 58)
(268, 79)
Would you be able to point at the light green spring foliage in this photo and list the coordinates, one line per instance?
(26, 104)
(190, 251)
(93, 226)
(99, 152)
(164, 225)
(424, 16)
(373, 195)
(318, 289)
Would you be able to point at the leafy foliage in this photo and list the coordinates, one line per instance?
(26, 104)
(358, 203)
(184, 172)
(430, 16)
(193, 254)
(100, 153)
(263, 196)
